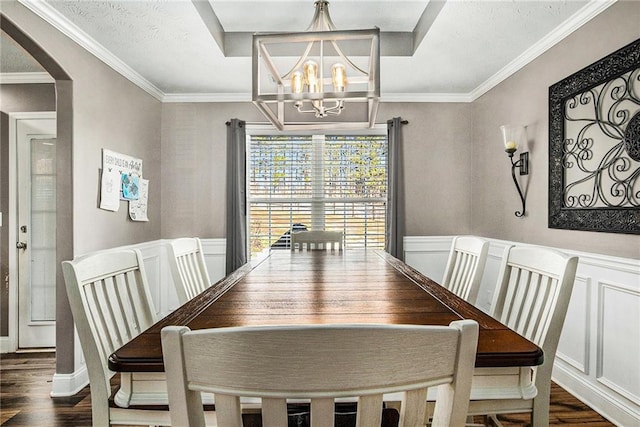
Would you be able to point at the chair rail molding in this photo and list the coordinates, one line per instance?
(597, 358)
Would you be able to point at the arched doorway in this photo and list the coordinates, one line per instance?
(64, 191)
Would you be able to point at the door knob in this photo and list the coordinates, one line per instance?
(21, 245)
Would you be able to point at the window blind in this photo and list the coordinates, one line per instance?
(333, 182)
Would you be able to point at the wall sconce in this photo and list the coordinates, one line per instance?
(513, 136)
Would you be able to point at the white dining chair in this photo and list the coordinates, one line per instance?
(316, 240)
(532, 296)
(320, 363)
(111, 304)
(465, 266)
(188, 268)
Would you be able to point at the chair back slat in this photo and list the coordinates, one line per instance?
(322, 412)
(189, 271)
(465, 266)
(369, 410)
(316, 240)
(188, 267)
(321, 363)
(412, 411)
(116, 320)
(533, 292)
(538, 302)
(274, 412)
(228, 412)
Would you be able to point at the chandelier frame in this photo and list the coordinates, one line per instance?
(272, 103)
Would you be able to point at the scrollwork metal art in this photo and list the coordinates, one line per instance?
(594, 153)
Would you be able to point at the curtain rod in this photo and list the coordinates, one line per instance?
(404, 122)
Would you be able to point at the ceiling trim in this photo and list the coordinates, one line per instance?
(61, 23)
(66, 27)
(206, 97)
(425, 97)
(584, 15)
(428, 17)
(246, 97)
(396, 43)
(25, 78)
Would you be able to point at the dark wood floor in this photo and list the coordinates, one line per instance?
(25, 383)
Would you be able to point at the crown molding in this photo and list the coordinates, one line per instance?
(206, 97)
(25, 78)
(425, 97)
(584, 15)
(246, 97)
(66, 27)
(60, 22)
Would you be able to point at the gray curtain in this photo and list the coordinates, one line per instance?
(395, 192)
(236, 195)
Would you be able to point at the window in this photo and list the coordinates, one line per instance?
(319, 182)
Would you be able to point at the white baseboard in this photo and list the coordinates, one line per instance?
(64, 385)
(5, 345)
(611, 407)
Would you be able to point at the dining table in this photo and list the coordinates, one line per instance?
(357, 286)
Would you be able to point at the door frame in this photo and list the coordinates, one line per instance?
(12, 223)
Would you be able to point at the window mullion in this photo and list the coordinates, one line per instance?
(317, 206)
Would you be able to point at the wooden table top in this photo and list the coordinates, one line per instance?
(353, 286)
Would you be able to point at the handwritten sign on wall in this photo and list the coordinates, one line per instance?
(115, 166)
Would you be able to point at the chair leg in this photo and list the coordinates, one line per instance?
(493, 421)
(540, 413)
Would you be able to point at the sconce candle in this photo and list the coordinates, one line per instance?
(512, 136)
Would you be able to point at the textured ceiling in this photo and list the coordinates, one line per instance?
(169, 44)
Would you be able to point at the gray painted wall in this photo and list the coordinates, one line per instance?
(457, 175)
(523, 99)
(437, 158)
(437, 166)
(194, 147)
(107, 111)
(27, 97)
(14, 98)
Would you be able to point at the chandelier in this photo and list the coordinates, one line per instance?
(306, 80)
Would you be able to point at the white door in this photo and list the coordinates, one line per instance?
(36, 232)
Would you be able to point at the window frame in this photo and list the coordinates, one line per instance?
(265, 130)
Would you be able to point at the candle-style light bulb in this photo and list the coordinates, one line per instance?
(339, 77)
(297, 82)
(297, 85)
(310, 69)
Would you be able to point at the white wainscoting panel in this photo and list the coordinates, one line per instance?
(162, 291)
(428, 255)
(154, 256)
(618, 339)
(598, 358)
(574, 344)
(215, 257)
